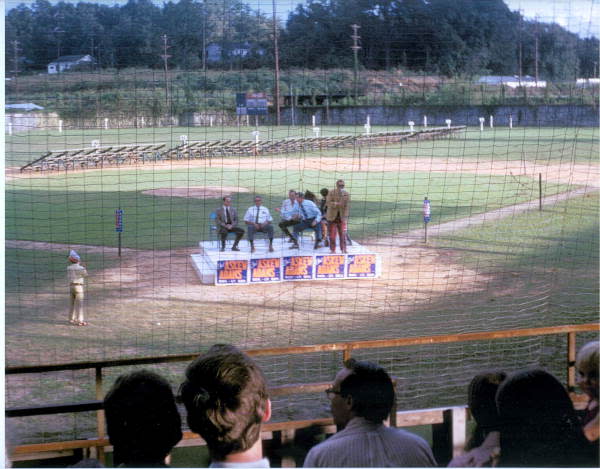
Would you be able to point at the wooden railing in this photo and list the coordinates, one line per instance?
(449, 424)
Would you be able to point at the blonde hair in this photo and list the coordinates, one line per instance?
(588, 355)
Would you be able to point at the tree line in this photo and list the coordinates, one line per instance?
(446, 37)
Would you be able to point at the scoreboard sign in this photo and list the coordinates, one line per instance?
(251, 104)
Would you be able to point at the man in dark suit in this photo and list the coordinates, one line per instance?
(227, 220)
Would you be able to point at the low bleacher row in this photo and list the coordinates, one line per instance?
(98, 157)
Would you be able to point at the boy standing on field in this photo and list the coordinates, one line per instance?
(76, 273)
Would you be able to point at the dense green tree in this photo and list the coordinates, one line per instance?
(448, 37)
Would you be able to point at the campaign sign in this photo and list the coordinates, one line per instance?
(330, 266)
(230, 272)
(298, 267)
(265, 270)
(362, 265)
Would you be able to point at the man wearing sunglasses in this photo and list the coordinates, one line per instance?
(362, 396)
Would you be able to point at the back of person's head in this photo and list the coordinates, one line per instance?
(371, 389)
(539, 427)
(482, 404)
(142, 420)
(587, 356)
(225, 395)
(324, 192)
(308, 195)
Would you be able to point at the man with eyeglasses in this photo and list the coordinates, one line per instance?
(362, 396)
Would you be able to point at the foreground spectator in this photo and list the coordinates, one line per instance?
(483, 448)
(587, 378)
(142, 420)
(362, 396)
(539, 424)
(225, 395)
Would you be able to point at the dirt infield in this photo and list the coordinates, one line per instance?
(204, 192)
(565, 172)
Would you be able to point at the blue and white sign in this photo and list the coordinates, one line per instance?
(119, 221)
(426, 210)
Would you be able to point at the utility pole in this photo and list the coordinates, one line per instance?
(355, 48)
(204, 36)
(537, 56)
(520, 46)
(165, 57)
(15, 45)
(276, 47)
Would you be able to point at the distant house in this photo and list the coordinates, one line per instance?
(587, 82)
(23, 107)
(217, 53)
(69, 62)
(512, 81)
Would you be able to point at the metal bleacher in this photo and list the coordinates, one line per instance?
(117, 155)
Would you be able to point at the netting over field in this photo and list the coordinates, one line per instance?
(512, 241)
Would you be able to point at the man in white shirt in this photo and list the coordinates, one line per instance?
(258, 218)
(225, 395)
(290, 214)
(76, 274)
(362, 396)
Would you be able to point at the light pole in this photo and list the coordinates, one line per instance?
(276, 47)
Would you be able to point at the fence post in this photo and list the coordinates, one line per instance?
(571, 354)
(347, 354)
(100, 414)
(450, 435)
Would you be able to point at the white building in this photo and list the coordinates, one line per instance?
(66, 62)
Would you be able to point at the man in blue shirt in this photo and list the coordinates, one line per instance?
(310, 217)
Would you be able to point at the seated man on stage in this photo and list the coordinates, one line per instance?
(310, 216)
(258, 218)
(289, 214)
(227, 220)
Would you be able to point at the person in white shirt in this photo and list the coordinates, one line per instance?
(76, 273)
(362, 397)
(258, 218)
(225, 395)
(290, 214)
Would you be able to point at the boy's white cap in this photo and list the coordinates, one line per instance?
(74, 255)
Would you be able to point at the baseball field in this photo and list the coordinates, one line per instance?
(497, 255)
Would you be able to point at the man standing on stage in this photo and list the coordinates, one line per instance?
(76, 273)
(338, 209)
(227, 220)
(258, 218)
(289, 214)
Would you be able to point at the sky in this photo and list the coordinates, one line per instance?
(579, 16)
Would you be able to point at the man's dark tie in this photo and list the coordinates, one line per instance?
(257, 212)
(303, 211)
(228, 217)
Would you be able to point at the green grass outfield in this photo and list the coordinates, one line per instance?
(79, 208)
(552, 144)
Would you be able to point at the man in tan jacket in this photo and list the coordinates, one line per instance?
(338, 209)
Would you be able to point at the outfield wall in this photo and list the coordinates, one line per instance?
(531, 116)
